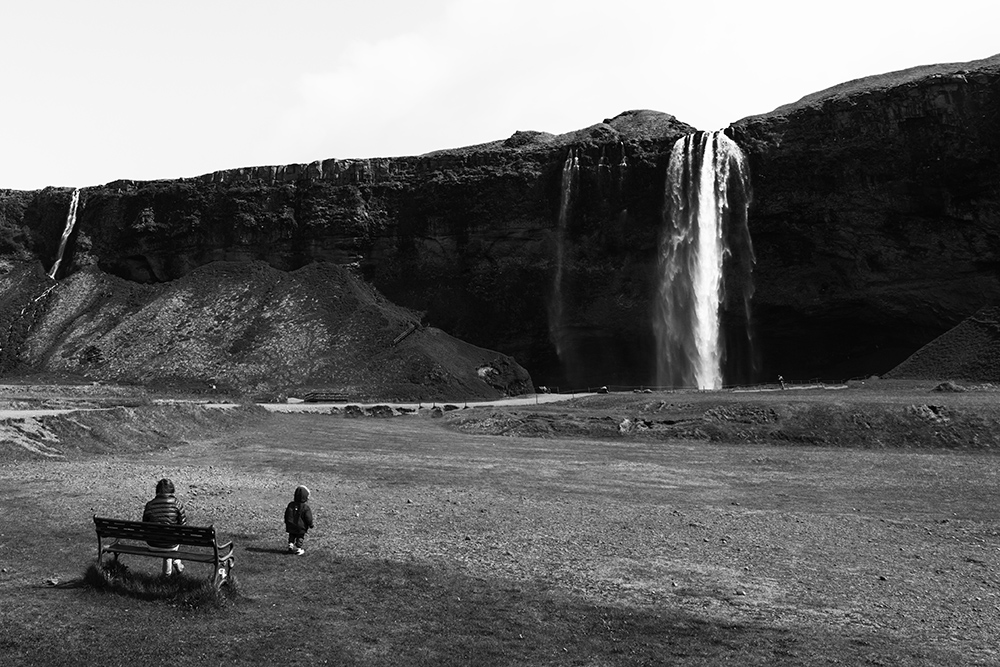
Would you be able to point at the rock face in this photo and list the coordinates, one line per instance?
(876, 217)
(875, 221)
(465, 236)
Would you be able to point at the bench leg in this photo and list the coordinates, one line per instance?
(100, 558)
(222, 573)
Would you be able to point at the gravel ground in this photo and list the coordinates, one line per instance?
(884, 547)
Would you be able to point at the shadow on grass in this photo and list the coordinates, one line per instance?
(267, 550)
(72, 583)
(393, 613)
(364, 611)
(115, 577)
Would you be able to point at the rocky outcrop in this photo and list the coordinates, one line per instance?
(876, 217)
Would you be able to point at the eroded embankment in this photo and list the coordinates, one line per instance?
(118, 430)
(923, 422)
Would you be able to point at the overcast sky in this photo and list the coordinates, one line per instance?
(96, 90)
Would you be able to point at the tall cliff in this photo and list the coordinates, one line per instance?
(876, 217)
(875, 221)
(467, 236)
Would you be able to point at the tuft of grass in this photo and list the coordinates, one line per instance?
(114, 577)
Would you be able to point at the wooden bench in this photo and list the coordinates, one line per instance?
(130, 537)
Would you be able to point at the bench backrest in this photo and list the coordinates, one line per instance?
(157, 532)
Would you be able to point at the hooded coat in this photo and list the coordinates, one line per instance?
(164, 508)
(298, 514)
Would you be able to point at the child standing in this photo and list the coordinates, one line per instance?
(298, 520)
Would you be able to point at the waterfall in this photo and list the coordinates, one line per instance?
(622, 169)
(705, 264)
(67, 230)
(570, 171)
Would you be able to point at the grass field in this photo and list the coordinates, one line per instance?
(443, 542)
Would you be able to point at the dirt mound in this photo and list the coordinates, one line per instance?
(120, 430)
(248, 329)
(969, 351)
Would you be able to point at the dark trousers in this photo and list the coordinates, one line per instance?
(297, 540)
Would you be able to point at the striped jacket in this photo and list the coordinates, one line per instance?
(164, 509)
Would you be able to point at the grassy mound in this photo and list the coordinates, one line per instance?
(185, 589)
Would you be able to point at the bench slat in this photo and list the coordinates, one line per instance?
(157, 532)
(183, 554)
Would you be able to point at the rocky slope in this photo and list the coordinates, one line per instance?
(875, 223)
(244, 328)
(969, 351)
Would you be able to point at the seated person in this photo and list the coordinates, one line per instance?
(165, 508)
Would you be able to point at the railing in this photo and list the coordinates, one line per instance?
(326, 397)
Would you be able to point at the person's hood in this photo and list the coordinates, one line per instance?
(301, 494)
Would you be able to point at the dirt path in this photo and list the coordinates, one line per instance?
(534, 399)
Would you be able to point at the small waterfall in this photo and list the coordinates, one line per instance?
(602, 163)
(605, 181)
(570, 172)
(67, 230)
(706, 261)
(622, 168)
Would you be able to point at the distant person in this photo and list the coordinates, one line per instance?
(781, 381)
(298, 520)
(165, 508)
